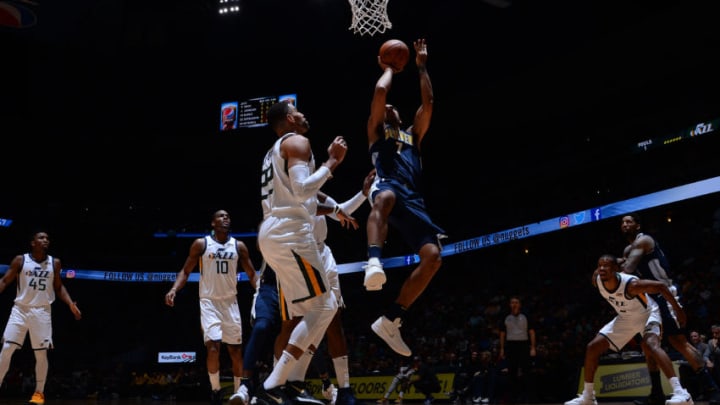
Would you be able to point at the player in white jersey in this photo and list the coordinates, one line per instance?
(289, 187)
(38, 283)
(644, 257)
(335, 334)
(217, 256)
(637, 313)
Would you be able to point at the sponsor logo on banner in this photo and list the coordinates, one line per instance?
(177, 357)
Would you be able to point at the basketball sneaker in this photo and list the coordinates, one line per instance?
(681, 397)
(581, 400)
(345, 396)
(216, 397)
(374, 275)
(272, 396)
(297, 393)
(38, 398)
(389, 331)
(241, 397)
(330, 393)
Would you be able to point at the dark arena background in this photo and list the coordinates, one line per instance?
(551, 120)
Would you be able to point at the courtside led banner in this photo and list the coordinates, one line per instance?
(177, 357)
(624, 380)
(579, 218)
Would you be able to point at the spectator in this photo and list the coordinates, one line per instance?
(401, 381)
(714, 355)
(425, 380)
(484, 375)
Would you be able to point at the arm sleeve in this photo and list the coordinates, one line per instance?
(348, 206)
(354, 203)
(305, 185)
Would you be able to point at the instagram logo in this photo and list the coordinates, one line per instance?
(564, 222)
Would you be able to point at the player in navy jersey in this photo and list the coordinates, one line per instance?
(397, 197)
(265, 320)
(644, 258)
(38, 284)
(218, 256)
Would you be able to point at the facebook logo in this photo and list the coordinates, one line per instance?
(596, 214)
(412, 259)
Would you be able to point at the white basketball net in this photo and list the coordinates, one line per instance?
(369, 16)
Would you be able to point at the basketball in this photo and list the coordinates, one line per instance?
(395, 53)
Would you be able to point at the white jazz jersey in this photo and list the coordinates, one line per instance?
(639, 314)
(639, 306)
(286, 238)
(276, 193)
(35, 282)
(218, 269)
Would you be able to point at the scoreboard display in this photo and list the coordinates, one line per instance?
(249, 113)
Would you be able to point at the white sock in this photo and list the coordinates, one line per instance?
(279, 374)
(41, 370)
(342, 371)
(675, 384)
(298, 372)
(214, 381)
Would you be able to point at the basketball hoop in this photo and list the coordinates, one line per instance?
(369, 16)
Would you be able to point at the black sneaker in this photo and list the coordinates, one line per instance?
(345, 396)
(272, 396)
(299, 395)
(216, 397)
(651, 400)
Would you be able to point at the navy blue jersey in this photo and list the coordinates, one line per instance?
(395, 156)
(655, 266)
(398, 166)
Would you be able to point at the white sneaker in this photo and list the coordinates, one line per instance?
(241, 397)
(680, 398)
(330, 393)
(390, 333)
(374, 275)
(581, 400)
